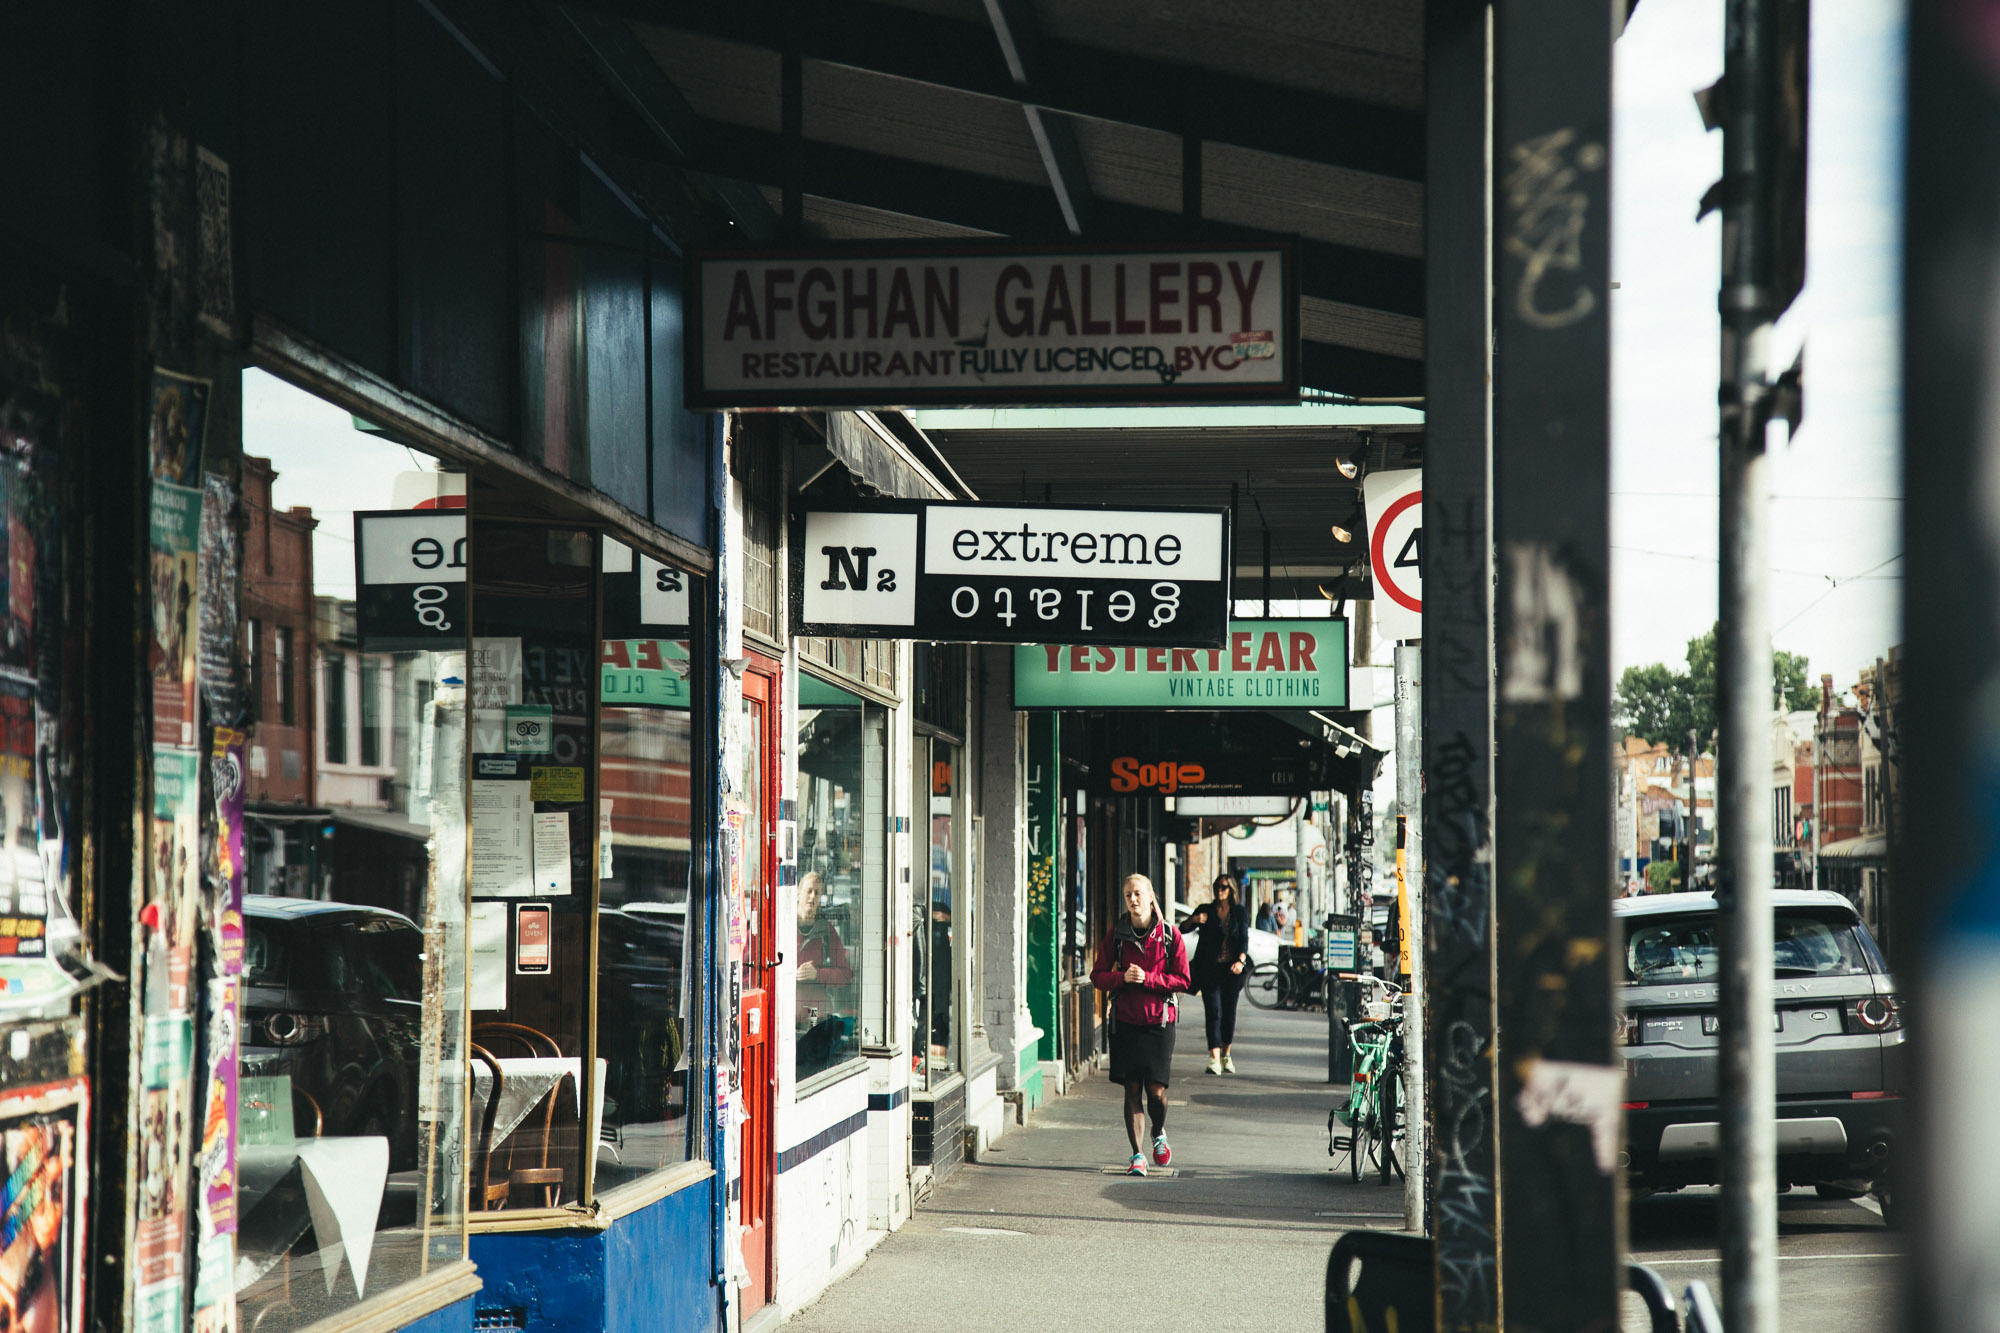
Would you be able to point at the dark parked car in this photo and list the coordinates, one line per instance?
(1840, 1057)
(333, 999)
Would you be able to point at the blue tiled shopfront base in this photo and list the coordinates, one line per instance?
(649, 1271)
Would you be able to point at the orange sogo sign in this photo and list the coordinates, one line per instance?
(973, 323)
(1266, 664)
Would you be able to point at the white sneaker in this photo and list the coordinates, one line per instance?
(1214, 1065)
(1228, 1065)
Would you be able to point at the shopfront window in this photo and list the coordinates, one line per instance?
(648, 954)
(842, 774)
(350, 1071)
(940, 909)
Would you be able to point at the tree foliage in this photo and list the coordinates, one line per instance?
(1661, 704)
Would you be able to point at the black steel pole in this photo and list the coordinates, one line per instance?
(1559, 1082)
(1458, 663)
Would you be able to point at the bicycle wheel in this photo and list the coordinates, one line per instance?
(1358, 1149)
(1386, 1090)
(1286, 1000)
(1261, 988)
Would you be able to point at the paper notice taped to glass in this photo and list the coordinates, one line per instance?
(502, 851)
(552, 854)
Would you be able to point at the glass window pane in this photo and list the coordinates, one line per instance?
(647, 933)
(837, 803)
(351, 1067)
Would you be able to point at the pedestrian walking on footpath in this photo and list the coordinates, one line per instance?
(1265, 918)
(1221, 960)
(1143, 963)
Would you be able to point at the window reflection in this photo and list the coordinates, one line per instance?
(840, 859)
(350, 1074)
(645, 936)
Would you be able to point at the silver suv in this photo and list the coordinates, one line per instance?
(1841, 1070)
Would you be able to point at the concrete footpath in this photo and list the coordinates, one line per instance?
(1037, 1235)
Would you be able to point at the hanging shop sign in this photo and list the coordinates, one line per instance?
(1263, 664)
(1145, 772)
(992, 573)
(1394, 502)
(975, 324)
(1232, 807)
(409, 576)
(643, 598)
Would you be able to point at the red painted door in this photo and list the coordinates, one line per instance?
(759, 785)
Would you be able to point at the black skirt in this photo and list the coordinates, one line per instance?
(1142, 1054)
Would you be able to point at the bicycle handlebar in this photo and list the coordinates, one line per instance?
(1372, 980)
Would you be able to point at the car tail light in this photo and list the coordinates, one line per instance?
(288, 1029)
(1875, 1013)
(1637, 1106)
(1869, 1096)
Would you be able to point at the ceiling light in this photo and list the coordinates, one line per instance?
(1341, 534)
(1347, 467)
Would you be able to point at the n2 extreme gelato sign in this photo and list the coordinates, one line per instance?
(1266, 664)
(974, 324)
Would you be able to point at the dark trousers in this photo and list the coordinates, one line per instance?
(1218, 1007)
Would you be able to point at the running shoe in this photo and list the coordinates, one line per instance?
(1162, 1154)
(1228, 1065)
(1138, 1165)
(1214, 1066)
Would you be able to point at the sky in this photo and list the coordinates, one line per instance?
(323, 463)
(1836, 587)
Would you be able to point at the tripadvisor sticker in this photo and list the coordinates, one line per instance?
(530, 728)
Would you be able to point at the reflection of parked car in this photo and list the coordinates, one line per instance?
(333, 1000)
(639, 952)
(1839, 1045)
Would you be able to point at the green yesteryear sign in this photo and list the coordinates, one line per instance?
(1268, 664)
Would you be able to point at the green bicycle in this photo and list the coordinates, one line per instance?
(1370, 1110)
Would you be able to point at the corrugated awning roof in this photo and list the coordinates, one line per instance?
(1129, 119)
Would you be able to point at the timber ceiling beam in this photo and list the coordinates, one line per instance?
(1019, 36)
(1069, 79)
(1333, 272)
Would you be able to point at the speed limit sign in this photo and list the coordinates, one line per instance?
(1395, 507)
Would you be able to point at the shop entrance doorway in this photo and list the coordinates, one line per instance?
(758, 783)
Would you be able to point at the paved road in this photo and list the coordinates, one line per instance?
(1037, 1236)
(1836, 1261)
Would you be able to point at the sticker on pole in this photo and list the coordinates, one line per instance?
(1395, 506)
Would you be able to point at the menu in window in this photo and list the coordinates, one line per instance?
(503, 860)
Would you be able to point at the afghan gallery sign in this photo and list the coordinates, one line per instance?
(975, 324)
(1011, 573)
(1262, 664)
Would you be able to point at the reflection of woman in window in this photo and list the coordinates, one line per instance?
(823, 969)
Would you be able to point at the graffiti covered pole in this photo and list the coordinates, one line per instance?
(1458, 665)
(1559, 1084)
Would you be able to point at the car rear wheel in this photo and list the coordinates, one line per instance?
(1838, 1192)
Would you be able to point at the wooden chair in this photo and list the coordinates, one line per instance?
(537, 1045)
(486, 1193)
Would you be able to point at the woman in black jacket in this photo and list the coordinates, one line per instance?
(1221, 960)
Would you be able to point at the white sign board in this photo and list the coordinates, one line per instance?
(978, 323)
(1013, 573)
(1394, 502)
(1231, 807)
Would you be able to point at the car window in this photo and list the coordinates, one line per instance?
(263, 955)
(1684, 948)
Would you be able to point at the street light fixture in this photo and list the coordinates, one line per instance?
(1347, 468)
(1341, 534)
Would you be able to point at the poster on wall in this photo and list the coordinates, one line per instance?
(215, 1158)
(219, 562)
(175, 573)
(226, 778)
(43, 1133)
(177, 427)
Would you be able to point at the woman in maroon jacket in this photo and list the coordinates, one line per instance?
(1142, 963)
(824, 970)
